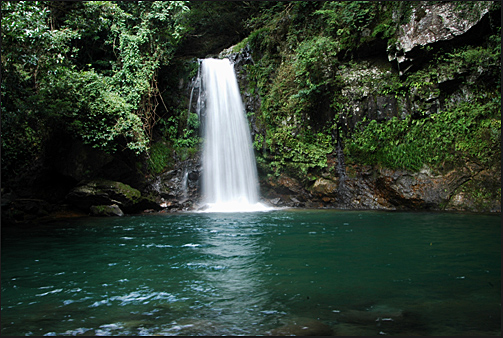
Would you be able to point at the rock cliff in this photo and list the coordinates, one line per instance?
(432, 29)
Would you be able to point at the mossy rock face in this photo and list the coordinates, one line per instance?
(480, 194)
(118, 189)
(104, 192)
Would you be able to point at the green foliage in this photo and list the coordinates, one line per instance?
(297, 52)
(347, 20)
(295, 86)
(87, 68)
(469, 131)
(188, 137)
(106, 72)
(298, 154)
(315, 61)
(89, 107)
(467, 127)
(159, 157)
(389, 144)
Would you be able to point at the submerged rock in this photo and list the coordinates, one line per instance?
(302, 327)
(380, 320)
(374, 314)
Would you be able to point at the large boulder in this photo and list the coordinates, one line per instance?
(325, 187)
(284, 185)
(106, 210)
(99, 192)
(421, 190)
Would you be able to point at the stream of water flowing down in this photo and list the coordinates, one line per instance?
(229, 176)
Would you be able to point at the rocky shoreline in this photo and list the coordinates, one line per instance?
(74, 179)
(361, 188)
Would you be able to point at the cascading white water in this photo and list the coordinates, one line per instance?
(229, 175)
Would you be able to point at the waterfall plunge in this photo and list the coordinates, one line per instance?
(229, 175)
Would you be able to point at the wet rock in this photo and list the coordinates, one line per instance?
(302, 327)
(275, 201)
(103, 192)
(178, 188)
(365, 187)
(296, 202)
(371, 315)
(325, 187)
(285, 185)
(20, 210)
(174, 205)
(482, 192)
(106, 210)
(381, 319)
(421, 190)
(145, 203)
(203, 207)
(360, 82)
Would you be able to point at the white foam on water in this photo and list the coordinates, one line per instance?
(235, 206)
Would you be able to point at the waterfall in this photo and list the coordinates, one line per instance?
(185, 184)
(229, 178)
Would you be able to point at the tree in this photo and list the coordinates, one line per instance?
(89, 68)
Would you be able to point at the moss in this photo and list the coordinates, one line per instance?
(100, 209)
(160, 157)
(483, 191)
(471, 10)
(129, 192)
(240, 45)
(471, 197)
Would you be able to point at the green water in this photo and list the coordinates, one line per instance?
(360, 273)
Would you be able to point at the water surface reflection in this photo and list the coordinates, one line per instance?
(356, 273)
